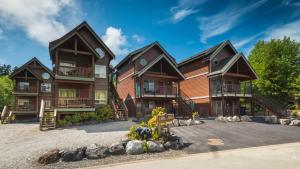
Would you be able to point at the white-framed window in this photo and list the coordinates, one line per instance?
(47, 103)
(100, 71)
(45, 87)
(101, 97)
(23, 85)
(23, 102)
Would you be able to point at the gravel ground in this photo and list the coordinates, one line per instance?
(22, 144)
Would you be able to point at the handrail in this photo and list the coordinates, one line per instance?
(42, 108)
(75, 71)
(3, 112)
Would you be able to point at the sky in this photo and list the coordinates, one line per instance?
(183, 27)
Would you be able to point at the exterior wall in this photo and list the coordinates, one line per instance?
(150, 55)
(196, 85)
(125, 88)
(225, 52)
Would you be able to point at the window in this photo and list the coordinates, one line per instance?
(149, 86)
(67, 93)
(23, 102)
(100, 71)
(137, 89)
(24, 85)
(101, 97)
(46, 87)
(47, 103)
(67, 64)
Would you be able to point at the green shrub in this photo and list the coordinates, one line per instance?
(132, 135)
(145, 146)
(104, 112)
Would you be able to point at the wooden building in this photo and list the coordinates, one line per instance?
(218, 81)
(148, 77)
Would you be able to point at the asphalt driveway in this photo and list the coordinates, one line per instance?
(214, 136)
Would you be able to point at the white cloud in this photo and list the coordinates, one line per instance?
(285, 2)
(138, 38)
(183, 9)
(291, 29)
(181, 14)
(238, 43)
(117, 42)
(41, 20)
(223, 21)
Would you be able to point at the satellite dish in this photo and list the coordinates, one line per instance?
(100, 52)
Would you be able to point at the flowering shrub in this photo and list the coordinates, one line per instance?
(158, 111)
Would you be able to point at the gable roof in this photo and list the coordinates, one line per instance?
(24, 66)
(139, 52)
(162, 56)
(209, 53)
(57, 42)
(225, 67)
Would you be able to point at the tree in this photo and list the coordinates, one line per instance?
(277, 64)
(6, 69)
(6, 89)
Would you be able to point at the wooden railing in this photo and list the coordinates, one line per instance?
(163, 91)
(232, 90)
(75, 103)
(29, 107)
(30, 89)
(75, 71)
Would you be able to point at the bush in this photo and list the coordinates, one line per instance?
(104, 112)
(145, 146)
(132, 135)
(158, 111)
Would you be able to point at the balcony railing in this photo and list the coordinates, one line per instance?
(161, 91)
(29, 89)
(75, 103)
(29, 107)
(231, 90)
(85, 72)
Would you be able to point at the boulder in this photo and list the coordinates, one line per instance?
(197, 122)
(116, 149)
(134, 147)
(96, 151)
(284, 121)
(220, 118)
(236, 119)
(49, 157)
(176, 123)
(246, 118)
(155, 146)
(174, 144)
(295, 123)
(124, 140)
(229, 119)
(189, 122)
(73, 154)
(182, 122)
(271, 119)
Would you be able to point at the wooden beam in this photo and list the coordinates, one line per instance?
(74, 51)
(76, 46)
(161, 76)
(238, 75)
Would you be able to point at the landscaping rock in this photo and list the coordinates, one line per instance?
(116, 149)
(49, 157)
(295, 123)
(174, 143)
(246, 118)
(197, 122)
(73, 154)
(134, 147)
(284, 121)
(220, 118)
(176, 123)
(236, 119)
(96, 151)
(271, 119)
(229, 119)
(124, 141)
(182, 123)
(189, 122)
(155, 146)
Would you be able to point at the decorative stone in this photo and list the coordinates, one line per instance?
(176, 123)
(284, 121)
(236, 119)
(73, 154)
(229, 119)
(220, 118)
(143, 132)
(189, 122)
(96, 151)
(134, 147)
(116, 149)
(155, 146)
(295, 123)
(182, 123)
(246, 118)
(49, 157)
(271, 119)
(174, 143)
(197, 122)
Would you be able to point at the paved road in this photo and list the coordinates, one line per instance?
(285, 156)
(235, 135)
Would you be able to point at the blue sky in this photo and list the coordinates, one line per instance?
(183, 27)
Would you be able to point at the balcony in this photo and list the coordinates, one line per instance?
(26, 89)
(26, 108)
(75, 103)
(161, 91)
(239, 90)
(81, 73)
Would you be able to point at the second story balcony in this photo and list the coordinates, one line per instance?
(27, 89)
(229, 89)
(75, 72)
(156, 88)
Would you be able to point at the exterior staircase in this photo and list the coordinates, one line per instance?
(6, 115)
(47, 118)
(184, 108)
(269, 105)
(120, 109)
